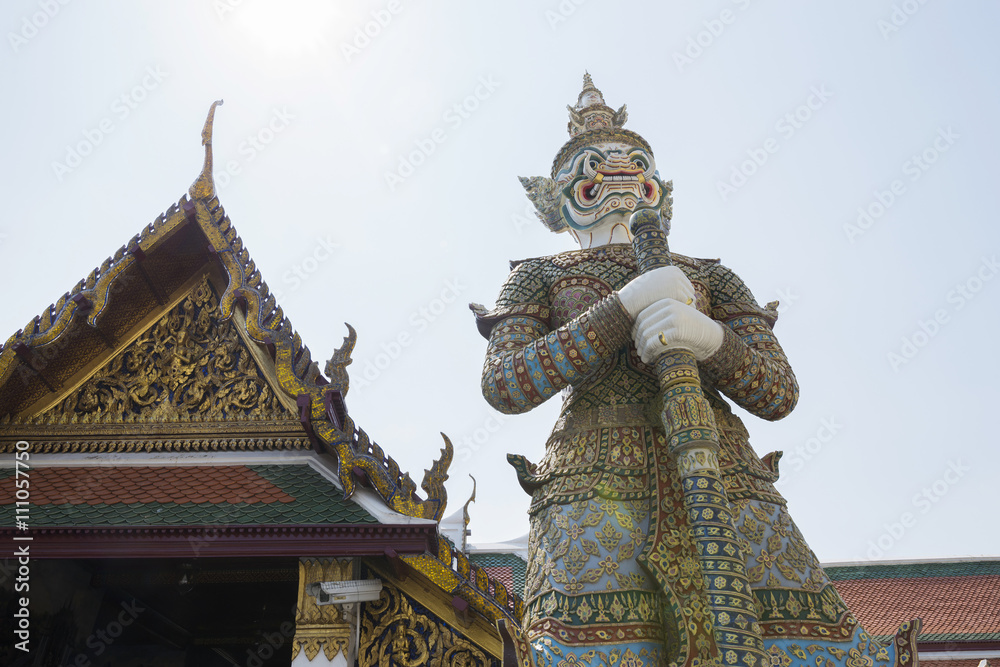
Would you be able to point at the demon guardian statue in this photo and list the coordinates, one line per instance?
(657, 536)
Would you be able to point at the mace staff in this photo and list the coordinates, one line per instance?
(720, 625)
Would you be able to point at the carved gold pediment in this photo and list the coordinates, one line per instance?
(187, 367)
(396, 632)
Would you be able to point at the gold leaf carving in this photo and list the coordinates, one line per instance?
(394, 634)
(189, 366)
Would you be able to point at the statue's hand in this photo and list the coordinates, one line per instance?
(666, 282)
(669, 324)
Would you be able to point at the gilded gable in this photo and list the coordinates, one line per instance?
(188, 366)
(190, 381)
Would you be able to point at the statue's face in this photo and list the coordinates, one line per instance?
(606, 182)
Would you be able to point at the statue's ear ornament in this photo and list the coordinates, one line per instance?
(575, 117)
(544, 194)
(667, 205)
(620, 117)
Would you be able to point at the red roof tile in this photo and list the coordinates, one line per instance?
(146, 484)
(504, 574)
(947, 605)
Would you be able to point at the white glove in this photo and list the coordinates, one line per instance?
(666, 282)
(681, 326)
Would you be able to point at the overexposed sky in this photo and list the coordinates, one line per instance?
(840, 157)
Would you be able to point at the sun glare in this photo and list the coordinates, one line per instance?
(289, 28)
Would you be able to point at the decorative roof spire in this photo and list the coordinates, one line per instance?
(465, 516)
(591, 112)
(204, 187)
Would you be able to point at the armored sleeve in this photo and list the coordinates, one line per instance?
(528, 361)
(750, 367)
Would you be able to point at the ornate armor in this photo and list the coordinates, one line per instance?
(558, 326)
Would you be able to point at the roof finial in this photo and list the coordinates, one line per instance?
(465, 517)
(204, 186)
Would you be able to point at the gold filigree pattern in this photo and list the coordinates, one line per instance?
(554, 656)
(189, 365)
(776, 551)
(394, 634)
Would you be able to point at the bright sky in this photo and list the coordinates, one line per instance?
(367, 152)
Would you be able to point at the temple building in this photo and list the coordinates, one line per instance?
(958, 600)
(183, 486)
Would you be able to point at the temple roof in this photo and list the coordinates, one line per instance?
(144, 496)
(175, 343)
(175, 348)
(507, 567)
(958, 601)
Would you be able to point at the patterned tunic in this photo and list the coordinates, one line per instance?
(558, 326)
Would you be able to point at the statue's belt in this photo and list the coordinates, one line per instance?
(641, 414)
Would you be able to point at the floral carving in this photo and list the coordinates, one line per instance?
(395, 634)
(189, 365)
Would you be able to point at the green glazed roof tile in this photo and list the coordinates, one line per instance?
(912, 570)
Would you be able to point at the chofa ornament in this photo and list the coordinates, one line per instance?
(652, 546)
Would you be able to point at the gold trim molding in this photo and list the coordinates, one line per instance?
(321, 627)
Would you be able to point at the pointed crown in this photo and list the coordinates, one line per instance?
(590, 112)
(592, 120)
